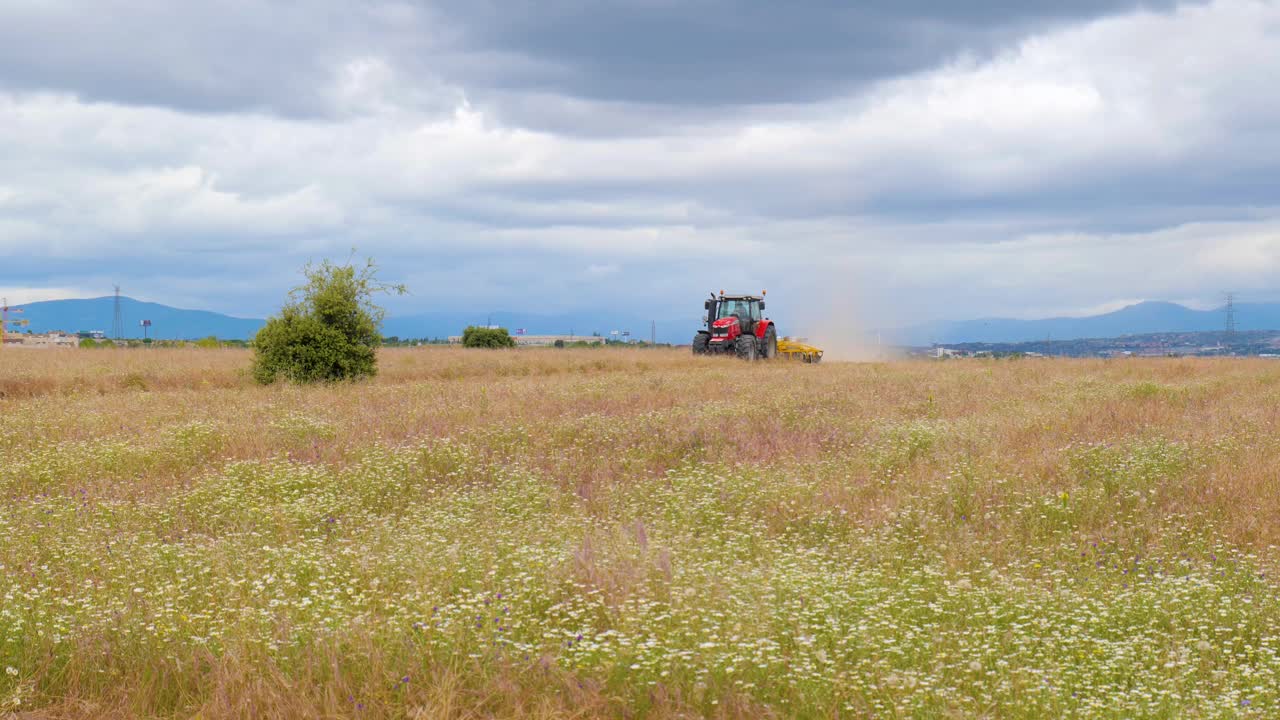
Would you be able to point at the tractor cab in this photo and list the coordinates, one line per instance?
(744, 310)
(736, 323)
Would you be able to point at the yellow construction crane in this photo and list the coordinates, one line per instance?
(5, 322)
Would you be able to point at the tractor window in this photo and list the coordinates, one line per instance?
(745, 309)
(729, 308)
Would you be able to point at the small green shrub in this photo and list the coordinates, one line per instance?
(327, 331)
(478, 337)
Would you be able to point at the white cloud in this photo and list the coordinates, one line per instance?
(1081, 273)
(987, 183)
(188, 199)
(24, 295)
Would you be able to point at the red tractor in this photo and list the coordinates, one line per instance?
(736, 324)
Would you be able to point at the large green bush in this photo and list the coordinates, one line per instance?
(478, 337)
(327, 331)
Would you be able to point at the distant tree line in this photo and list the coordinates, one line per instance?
(209, 342)
(396, 341)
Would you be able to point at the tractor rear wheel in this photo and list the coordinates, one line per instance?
(700, 342)
(745, 346)
(770, 349)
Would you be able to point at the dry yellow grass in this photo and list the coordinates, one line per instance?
(779, 539)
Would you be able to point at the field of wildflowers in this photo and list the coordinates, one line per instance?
(542, 533)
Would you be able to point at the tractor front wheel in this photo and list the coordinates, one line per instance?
(745, 346)
(700, 342)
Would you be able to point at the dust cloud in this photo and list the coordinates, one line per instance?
(833, 319)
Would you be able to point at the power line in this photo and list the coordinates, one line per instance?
(1229, 310)
(117, 324)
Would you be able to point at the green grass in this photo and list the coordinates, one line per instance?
(616, 557)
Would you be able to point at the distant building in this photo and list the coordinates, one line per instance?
(549, 340)
(542, 340)
(55, 339)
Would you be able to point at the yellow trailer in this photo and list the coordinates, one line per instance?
(795, 349)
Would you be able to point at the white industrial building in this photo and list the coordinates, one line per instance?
(55, 339)
(543, 340)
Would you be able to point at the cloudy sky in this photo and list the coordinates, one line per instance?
(912, 160)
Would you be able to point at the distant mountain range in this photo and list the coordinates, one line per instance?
(1138, 319)
(174, 323)
(169, 323)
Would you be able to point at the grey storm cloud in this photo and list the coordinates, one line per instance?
(756, 52)
(224, 56)
(279, 56)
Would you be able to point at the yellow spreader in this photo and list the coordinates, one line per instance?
(795, 350)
